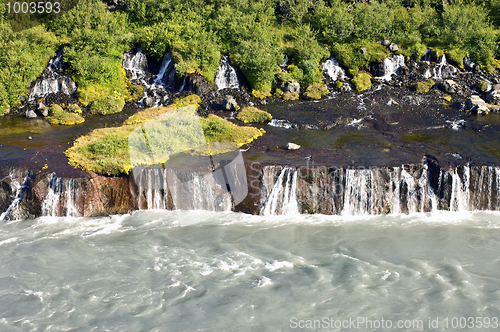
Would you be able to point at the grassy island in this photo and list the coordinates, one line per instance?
(154, 135)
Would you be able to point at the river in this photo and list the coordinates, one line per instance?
(226, 271)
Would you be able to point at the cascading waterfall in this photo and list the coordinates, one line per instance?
(226, 77)
(332, 68)
(442, 69)
(50, 205)
(13, 211)
(392, 66)
(156, 88)
(404, 189)
(282, 199)
(161, 188)
(52, 81)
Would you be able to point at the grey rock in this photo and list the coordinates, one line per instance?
(494, 96)
(293, 87)
(448, 86)
(385, 42)
(45, 111)
(476, 105)
(494, 108)
(292, 146)
(345, 88)
(30, 114)
(363, 50)
(148, 102)
(250, 104)
(393, 47)
(41, 105)
(229, 103)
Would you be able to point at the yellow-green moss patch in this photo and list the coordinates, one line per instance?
(423, 86)
(107, 105)
(139, 141)
(316, 91)
(151, 113)
(362, 81)
(252, 114)
(59, 116)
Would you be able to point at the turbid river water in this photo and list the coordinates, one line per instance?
(166, 271)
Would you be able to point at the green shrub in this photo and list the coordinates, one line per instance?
(316, 91)
(107, 105)
(423, 86)
(252, 114)
(362, 81)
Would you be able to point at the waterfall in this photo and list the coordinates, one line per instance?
(442, 69)
(392, 66)
(226, 77)
(404, 189)
(155, 89)
(282, 199)
(71, 193)
(52, 81)
(13, 212)
(182, 190)
(332, 68)
(50, 204)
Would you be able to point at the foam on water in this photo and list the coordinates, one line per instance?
(234, 271)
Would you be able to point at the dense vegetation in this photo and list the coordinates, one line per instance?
(257, 34)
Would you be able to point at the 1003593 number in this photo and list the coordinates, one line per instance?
(42, 7)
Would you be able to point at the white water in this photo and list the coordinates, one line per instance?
(281, 124)
(226, 77)
(13, 212)
(159, 85)
(332, 68)
(50, 205)
(392, 66)
(282, 199)
(52, 81)
(236, 272)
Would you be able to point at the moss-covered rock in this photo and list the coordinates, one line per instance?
(252, 114)
(362, 81)
(316, 91)
(75, 108)
(338, 84)
(107, 105)
(482, 86)
(291, 96)
(261, 93)
(59, 116)
(423, 86)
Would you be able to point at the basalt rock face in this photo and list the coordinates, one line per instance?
(269, 190)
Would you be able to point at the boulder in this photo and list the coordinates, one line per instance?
(476, 105)
(393, 47)
(363, 50)
(448, 86)
(45, 111)
(230, 104)
(385, 42)
(149, 102)
(292, 87)
(292, 146)
(30, 114)
(494, 96)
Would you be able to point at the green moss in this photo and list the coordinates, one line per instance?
(316, 91)
(423, 86)
(75, 108)
(107, 105)
(447, 98)
(252, 114)
(362, 81)
(482, 86)
(261, 93)
(278, 93)
(338, 84)
(109, 150)
(151, 113)
(291, 96)
(59, 116)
